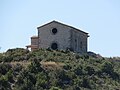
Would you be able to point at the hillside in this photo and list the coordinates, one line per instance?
(21, 69)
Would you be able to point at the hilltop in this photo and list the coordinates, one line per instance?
(46, 69)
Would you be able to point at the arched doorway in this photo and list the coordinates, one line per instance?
(54, 46)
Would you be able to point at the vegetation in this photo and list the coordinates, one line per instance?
(43, 69)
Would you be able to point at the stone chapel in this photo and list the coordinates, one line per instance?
(59, 36)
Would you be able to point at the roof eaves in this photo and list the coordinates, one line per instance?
(45, 24)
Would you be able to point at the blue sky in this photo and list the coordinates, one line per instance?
(19, 20)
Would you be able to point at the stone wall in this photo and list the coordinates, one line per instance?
(78, 41)
(46, 36)
(34, 43)
(34, 40)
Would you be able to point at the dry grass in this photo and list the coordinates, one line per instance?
(23, 63)
(46, 65)
(52, 65)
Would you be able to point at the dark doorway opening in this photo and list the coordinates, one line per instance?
(54, 46)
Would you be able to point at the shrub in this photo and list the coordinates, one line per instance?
(86, 83)
(35, 66)
(79, 70)
(42, 80)
(77, 56)
(17, 68)
(4, 84)
(9, 76)
(107, 67)
(4, 68)
(67, 67)
(90, 70)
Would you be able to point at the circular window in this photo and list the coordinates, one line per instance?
(54, 46)
(54, 30)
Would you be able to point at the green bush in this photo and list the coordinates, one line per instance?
(70, 71)
(4, 68)
(4, 84)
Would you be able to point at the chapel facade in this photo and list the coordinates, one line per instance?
(56, 35)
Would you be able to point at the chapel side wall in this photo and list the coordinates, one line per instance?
(78, 41)
(46, 37)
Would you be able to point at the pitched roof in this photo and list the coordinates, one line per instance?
(62, 24)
